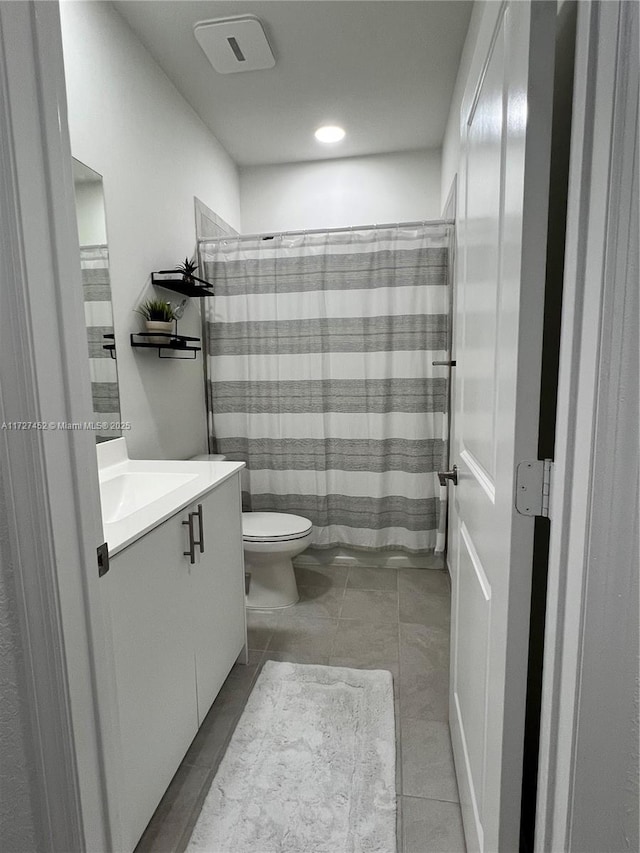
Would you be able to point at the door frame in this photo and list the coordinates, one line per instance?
(49, 476)
(603, 135)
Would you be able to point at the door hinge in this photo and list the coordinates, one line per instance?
(103, 559)
(533, 487)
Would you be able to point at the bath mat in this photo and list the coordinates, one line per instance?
(310, 767)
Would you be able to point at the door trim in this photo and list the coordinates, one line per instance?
(602, 136)
(50, 481)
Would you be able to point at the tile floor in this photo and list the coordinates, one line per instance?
(360, 617)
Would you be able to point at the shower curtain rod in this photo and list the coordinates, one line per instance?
(271, 234)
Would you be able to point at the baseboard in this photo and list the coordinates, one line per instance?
(385, 559)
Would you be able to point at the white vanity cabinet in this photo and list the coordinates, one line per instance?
(177, 629)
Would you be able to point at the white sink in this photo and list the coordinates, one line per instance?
(127, 493)
(139, 494)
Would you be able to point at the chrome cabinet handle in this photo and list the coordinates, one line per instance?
(200, 542)
(452, 475)
(191, 553)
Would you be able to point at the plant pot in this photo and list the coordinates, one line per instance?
(157, 326)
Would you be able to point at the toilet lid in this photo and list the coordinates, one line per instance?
(273, 526)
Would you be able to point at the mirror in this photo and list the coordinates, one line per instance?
(98, 312)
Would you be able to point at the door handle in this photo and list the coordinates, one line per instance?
(200, 541)
(444, 363)
(191, 553)
(452, 475)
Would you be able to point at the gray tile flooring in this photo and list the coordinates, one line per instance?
(361, 617)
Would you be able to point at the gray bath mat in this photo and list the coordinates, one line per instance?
(310, 767)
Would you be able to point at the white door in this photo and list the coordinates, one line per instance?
(502, 220)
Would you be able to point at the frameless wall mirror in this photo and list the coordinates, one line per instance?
(98, 313)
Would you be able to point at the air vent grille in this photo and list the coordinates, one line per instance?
(235, 44)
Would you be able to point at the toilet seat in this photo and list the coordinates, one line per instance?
(274, 527)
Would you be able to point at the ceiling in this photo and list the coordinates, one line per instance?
(382, 69)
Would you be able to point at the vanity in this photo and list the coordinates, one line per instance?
(174, 598)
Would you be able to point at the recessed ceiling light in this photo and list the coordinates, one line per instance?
(329, 133)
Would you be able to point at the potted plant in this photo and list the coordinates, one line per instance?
(188, 268)
(159, 317)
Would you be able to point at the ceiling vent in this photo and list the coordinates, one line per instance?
(235, 44)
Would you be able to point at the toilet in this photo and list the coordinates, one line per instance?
(271, 540)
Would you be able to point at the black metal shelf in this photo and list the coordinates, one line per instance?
(176, 344)
(111, 348)
(172, 280)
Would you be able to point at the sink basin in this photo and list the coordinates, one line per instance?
(127, 493)
(139, 494)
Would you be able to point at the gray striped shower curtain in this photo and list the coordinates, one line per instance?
(98, 315)
(319, 363)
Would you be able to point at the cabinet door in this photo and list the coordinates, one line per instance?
(218, 587)
(148, 588)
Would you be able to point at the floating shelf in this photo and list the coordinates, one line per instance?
(176, 344)
(172, 280)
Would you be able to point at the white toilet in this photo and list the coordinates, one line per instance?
(271, 540)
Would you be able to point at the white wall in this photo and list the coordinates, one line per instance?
(92, 229)
(451, 141)
(19, 818)
(128, 122)
(397, 187)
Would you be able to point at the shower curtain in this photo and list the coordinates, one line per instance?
(94, 262)
(320, 350)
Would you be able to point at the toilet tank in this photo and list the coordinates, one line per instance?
(209, 457)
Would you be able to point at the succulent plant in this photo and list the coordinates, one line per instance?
(188, 267)
(158, 310)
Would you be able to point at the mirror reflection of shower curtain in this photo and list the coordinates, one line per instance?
(320, 350)
(96, 286)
